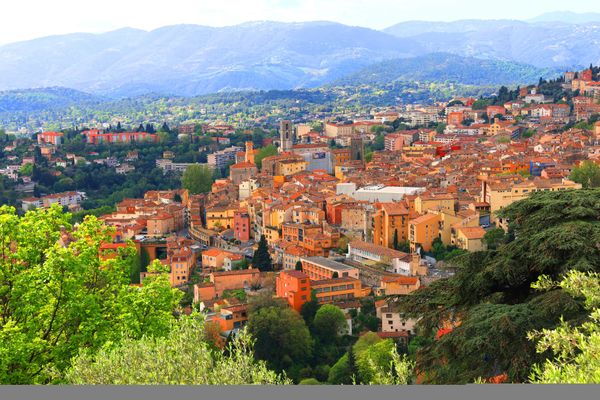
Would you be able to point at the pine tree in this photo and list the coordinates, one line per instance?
(141, 128)
(352, 368)
(262, 257)
(396, 244)
(335, 275)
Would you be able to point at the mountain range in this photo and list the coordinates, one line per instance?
(190, 60)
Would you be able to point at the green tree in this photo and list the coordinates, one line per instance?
(26, 170)
(59, 296)
(197, 179)
(282, 337)
(184, 357)
(588, 174)
(329, 323)
(298, 266)
(576, 348)
(310, 308)
(554, 233)
(494, 238)
(395, 242)
(262, 257)
(267, 151)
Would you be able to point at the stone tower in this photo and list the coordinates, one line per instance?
(286, 135)
(357, 149)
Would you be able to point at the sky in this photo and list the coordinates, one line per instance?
(29, 19)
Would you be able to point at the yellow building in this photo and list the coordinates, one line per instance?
(431, 201)
(219, 218)
(422, 231)
(469, 238)
(290, 167)
(271, 235)
(499, 193)
(391, 217)
(450, 221)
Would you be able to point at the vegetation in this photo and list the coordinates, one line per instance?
(182, 358)
(58, 295)
(282, 337)
(262, 257)
(197, 179)
(576, 348)
(490, 300)
(266, 151)
(588, 174)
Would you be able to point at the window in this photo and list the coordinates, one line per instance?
(388, 315)
(304, 297)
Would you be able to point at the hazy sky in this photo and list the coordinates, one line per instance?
(27, 19)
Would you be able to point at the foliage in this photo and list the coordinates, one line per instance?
(239, 294)
(310, 308)
(398, 371)
(490, 299)
(310, 381)
(197, 179)
(267, 151)
(262, 257)
(282, 337)
(494, 238)
(588, 174)
(182, 358)
(576, 348)
(58, 296)
(328, 323)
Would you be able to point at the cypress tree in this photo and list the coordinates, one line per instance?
(396, 244)
(298, 266)
(352, 368)
(262, 258)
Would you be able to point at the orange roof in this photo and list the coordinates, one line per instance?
(472, 233)
(402, 280)
(212, 252)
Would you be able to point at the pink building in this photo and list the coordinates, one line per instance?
(241, 226)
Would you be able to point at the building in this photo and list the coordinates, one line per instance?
(391, 219)
(223, 158)
(294, 286)
(232, 280)
(357, 149)
(398, 286)
(377, 193)
(241, 226)
(393, 260)
(72, 200)
(319, 268)
(499, 193)
(469, 238)
(95, 136)
(338, 289)
(286, 135)
(422, 231)
(393, 320)
(52, 138)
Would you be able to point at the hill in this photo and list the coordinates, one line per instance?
(542, 44)
(444, 67)
(191, 60)
(44, 99)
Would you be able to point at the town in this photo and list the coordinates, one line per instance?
(349, 211)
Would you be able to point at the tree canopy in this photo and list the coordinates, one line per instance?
(490, 301)
(57, 295)
(197, 179)
(282, 337)
(184, 357)
(588, 174)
